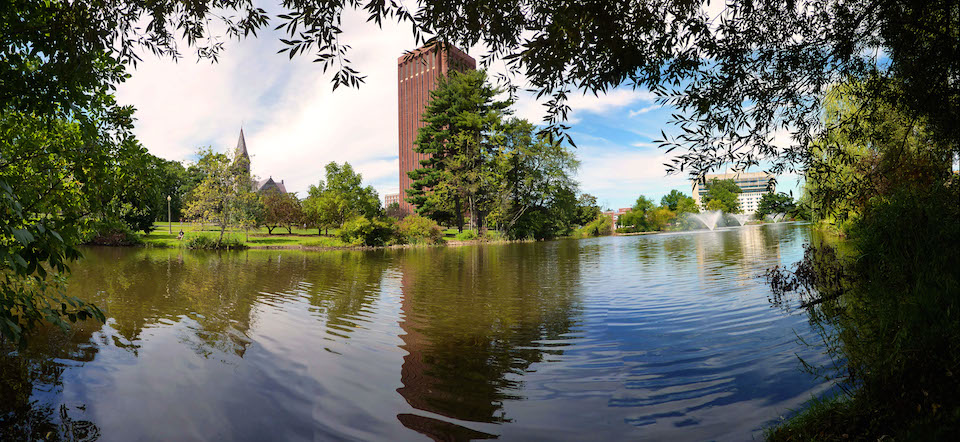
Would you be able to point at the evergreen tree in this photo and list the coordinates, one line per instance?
(460, 119)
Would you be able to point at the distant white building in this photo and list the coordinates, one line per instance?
(753, 185)
(391, 198)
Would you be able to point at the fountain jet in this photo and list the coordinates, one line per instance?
(708, 219)
(741, 218)
(776, 217)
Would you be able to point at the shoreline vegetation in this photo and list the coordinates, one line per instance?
(308, 240)
(299, 239)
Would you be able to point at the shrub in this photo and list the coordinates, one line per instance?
(208, 242)
(889, 315)
(109, 232)
(494, 235)
(415, 229)
(603, 225)
(467, 235)
(629, 229)
(369, 232)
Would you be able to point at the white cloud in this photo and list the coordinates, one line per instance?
(529, 108)
(634, 113)
(618, 175)
(294, 124)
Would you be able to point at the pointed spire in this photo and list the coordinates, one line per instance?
(242, 147)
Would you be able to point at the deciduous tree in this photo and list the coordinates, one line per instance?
(340, 197)
(722, 195)
(533, 192)
(774, 203)
(213, 200)
(281, 210)
(587, 209)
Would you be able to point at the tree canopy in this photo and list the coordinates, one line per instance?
(587, 209)
(774, 203)
(533, 190)
(738, 74)
(460, 119)
(339, 198)
(280, 210)
(677, 201)
(722, 195)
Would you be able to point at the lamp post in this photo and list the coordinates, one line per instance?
(169, 221)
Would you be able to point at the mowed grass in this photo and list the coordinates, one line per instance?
(161, 236)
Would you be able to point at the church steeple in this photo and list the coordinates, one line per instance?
(241, 154)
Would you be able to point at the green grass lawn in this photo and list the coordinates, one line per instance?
(161, 237)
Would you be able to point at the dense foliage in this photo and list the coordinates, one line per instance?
(602, 225)
(771, 203)
(645, 216)
(369, 232)
(887, 308)
(415, 229)
(722, 195)
(677, 202)
(280, 210)
(587, 209)
(60, 179)
(339, 198)
(497, 170)
(885, 300)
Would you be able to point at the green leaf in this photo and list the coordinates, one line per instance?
(23, 236)
(12, 326)
(19, 260)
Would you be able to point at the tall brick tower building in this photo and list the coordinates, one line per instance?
(417, 74)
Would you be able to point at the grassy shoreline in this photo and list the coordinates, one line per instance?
(298, 239)
(306, 239)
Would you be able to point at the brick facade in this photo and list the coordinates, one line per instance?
(417, 75)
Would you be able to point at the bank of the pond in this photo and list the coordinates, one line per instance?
(287, 241)
(886, 299)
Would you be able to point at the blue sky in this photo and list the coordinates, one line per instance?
(295, 124)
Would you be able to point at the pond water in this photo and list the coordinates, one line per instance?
(651, 337)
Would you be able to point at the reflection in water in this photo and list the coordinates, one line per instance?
(473, 318)
(644, 337)
(32, 372)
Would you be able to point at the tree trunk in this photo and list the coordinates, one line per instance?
(270, 230)
(473, 214)
(459, 214)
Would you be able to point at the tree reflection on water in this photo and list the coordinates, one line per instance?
(472, 331)
(35, 369)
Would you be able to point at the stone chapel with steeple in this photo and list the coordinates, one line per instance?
(242, 158)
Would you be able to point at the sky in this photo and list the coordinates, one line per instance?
(294, 123)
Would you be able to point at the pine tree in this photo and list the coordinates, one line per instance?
(460, 118)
